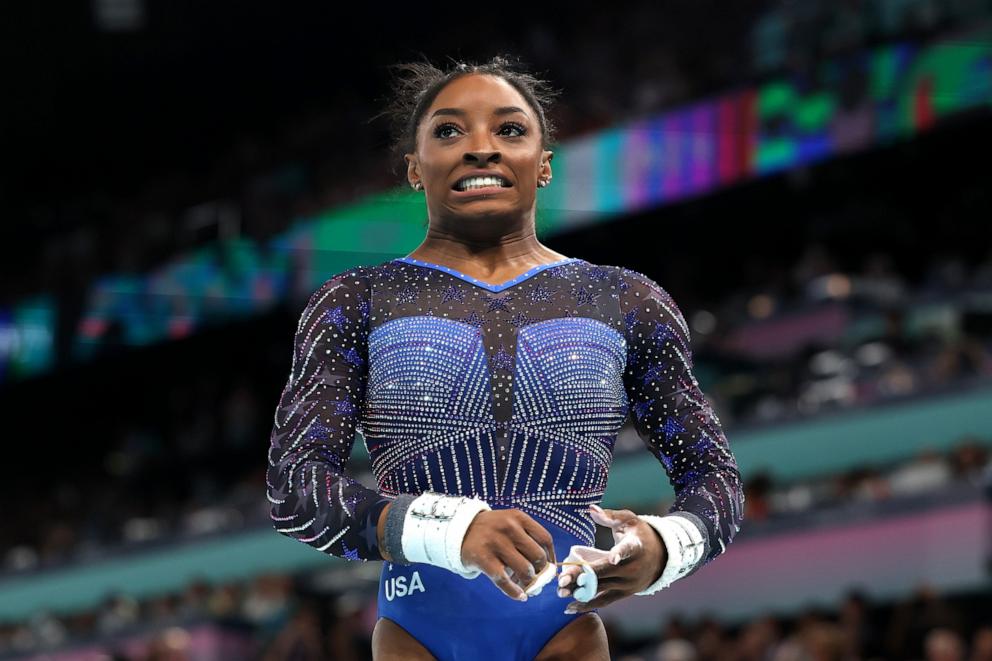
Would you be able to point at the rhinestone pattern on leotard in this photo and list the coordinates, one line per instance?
(513, 393)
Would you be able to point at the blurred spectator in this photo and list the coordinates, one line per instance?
(928, 471)
(914, 618)
(970, 461)
(944, 645)
(981, 644)
(756, 491)
(120, 612)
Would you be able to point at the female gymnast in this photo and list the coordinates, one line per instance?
(489, 376)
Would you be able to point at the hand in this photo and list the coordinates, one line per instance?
(509, 547)
(636, 560)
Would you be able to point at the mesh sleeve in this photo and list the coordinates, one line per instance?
(672, 416)
(311, 499)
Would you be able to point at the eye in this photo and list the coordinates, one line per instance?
(440, 128)
(516, 126)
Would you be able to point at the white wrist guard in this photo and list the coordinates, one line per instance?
(685, 546)
(434, 527)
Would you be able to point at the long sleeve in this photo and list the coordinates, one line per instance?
(676, 422)
(312, 500)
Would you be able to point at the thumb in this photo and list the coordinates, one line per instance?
(608, 518)
(625, 547)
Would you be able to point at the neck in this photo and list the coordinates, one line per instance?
(514, 249)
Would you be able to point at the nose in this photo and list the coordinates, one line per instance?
(482, 156)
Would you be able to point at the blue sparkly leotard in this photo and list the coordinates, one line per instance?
(512, 393)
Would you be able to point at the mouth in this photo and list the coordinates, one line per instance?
(481, 185)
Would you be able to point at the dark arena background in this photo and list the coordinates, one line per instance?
(811, 181)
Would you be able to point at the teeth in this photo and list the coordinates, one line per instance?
(479, 182)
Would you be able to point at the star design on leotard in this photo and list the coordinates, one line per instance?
(540, 293)
(502, 360)
(520, 319)
(497, 302)
(408, 294)
(702, 445)
(654, 372)
(661, 333)
(453, 293)
(583, 296)
(630, 320)
(352, 356)
(474, 319)
(336, 316)
(691, 476)
(557, 272)
(344, 407)
(623, 284)
(318, 430)
(641, 408)
(349, 554)
(334, 461)
(672, 427)
(598, 273)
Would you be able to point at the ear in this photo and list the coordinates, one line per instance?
(412, 168)
(545, 171)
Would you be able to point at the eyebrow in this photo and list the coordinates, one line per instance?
(503, 110)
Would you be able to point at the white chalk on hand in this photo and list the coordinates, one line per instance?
(546, 576)
(587, 581)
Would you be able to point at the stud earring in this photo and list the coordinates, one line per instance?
(418, 186)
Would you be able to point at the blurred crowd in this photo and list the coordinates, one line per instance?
(926, 626)
(321, 156)
(817, 337)
(929, 472)
(279, 618)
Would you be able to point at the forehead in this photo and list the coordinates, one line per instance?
(478, 93)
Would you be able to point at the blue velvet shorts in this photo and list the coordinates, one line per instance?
(460, 619)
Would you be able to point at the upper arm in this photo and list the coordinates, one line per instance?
(316, 422)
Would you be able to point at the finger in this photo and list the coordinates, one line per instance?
(528, 547)
(496, 572)
(602, 599)
(540, 535)
(568, 574)
(566, 580)
(520, 569)
(612, 583)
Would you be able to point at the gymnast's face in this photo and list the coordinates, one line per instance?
(479, 123)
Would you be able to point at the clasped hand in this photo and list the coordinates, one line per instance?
(636, 561)
(511, 548)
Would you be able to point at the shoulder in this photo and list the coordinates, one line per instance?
(634, 285)
(356, 279)
(643, 296)
(350, 288)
